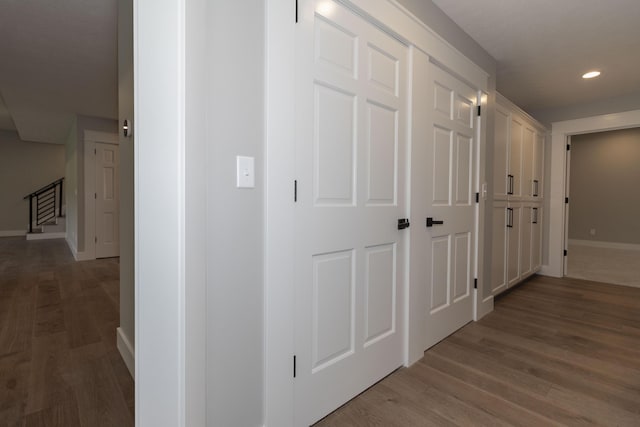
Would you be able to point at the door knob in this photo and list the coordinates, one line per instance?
(403, 223)
(431, 222)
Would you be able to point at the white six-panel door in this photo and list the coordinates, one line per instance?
(350, 169)
(442, 188)
(107, 200)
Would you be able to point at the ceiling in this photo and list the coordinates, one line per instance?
(59, 58)
(543, 47)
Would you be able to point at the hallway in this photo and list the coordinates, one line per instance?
(58, 359)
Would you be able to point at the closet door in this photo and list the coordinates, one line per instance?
(525, 240)
(501, 152)
(514, 215)
(499, 248)
(528, 159)
(536, 237)
(538, 164)
(514, 181)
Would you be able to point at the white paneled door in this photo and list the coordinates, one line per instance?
(443, 197)
(107, 201)
(350, 168)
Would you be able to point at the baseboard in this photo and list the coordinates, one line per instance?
(606, 245)
(484, 308)
(126, 351)
(78, 256)
(46, 236)
(545, 270)
(12, 233)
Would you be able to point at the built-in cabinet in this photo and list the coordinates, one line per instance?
(518, 198)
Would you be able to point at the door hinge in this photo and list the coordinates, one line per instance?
(295, 190)
(294, 366)
(477, 197)
(475, 283)
(565, 252)
(296, 11)
(566, 200)
(479, 110)
(568, 147)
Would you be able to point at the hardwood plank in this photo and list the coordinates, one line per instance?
(59, 365)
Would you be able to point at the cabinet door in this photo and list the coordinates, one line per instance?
(501, 152)
(536, 238)
(515, 158)
(525, 241)
(514, 215)
(499, 248)
(528, 159)
(538, 164)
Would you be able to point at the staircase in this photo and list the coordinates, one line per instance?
(46, 220)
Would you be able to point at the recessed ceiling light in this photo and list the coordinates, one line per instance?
(591, 74)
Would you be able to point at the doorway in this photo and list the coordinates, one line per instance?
(603, 242)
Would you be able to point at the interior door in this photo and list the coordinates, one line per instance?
(350, 178)
(447, 224)
(107, 201)
(501, 178)
(525, 240)
(515, 157)
(499, 248)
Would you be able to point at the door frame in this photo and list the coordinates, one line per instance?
(557, 188)
(91, 137)
(279, 180)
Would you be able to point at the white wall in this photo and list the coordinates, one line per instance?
(235, 113)
(24, 168)
(604, 177)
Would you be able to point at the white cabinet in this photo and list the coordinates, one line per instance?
(518, 169)
(514, 216)
(499, 248)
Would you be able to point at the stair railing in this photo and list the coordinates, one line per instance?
(47, 199)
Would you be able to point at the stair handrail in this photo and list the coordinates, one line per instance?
(50, 209)
(45, 188)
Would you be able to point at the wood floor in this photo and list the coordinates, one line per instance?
(59, 365)
(554, 352)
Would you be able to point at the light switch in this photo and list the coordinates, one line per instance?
(246, 177)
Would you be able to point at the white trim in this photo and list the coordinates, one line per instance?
(559, 133)
(78, 256)
(126, 350)
(47, 236)
(159, 149)
(279, 213)
(12, 233)
(606, 245)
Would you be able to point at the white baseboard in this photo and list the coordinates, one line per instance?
(126, 351)
(46, 236)
(606, 245)
(12, 233)
(78, 256)
(545, 270)
(484, 308)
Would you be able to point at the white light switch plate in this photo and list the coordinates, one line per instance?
(246, 177)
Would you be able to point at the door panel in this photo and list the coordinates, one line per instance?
(107, 206)
(528, 146)
(525, 241)
(351, 93)
(442, 188)
(515, 156)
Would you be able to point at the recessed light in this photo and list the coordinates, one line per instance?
(591, 74)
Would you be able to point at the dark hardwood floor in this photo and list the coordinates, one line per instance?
(553, 352)
(59, 365)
